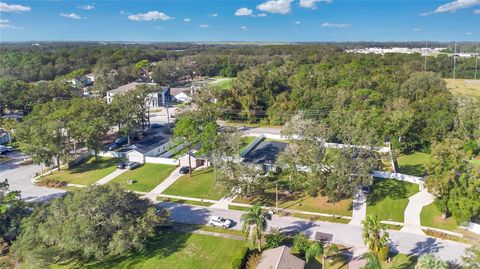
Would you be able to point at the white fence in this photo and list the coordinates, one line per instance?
(401, 177)
(161, 160)
(252, 145)
(111, 154)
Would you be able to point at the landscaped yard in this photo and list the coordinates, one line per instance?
(341, 262)
(145, 178)
(302, 202)
(413, 164)
(246, 142)
(390, 198)
(432, 217)
(200, 185)
(177, 250)
(86, 173)
(400, 261)
(224, 83)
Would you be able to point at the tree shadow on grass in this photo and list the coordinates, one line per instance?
(414, 170)
(407, 264)
(385, 188)
(94, 165)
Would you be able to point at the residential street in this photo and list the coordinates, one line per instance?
(19, 177)
(342, 233)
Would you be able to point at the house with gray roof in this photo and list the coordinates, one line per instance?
(280, 258)
(265, 154)
(159, 97)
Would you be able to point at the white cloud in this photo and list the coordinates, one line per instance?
(187, 20)
(244, 28)
(335, 25)
(469, 33)
(261, 15)
(416, 29)
(298, 22)
(243, 12)
(453, 6)
(213, 15)
(5, 24)
(4, 7)
(312, 3)
(149, 16)
(476, 11)
(204, 26)
(71, 16)
(86, 7)
(276, 6)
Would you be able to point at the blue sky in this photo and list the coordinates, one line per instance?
(230, 20)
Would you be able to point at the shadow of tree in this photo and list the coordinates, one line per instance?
(384, 188)
(414, 170)
(101, 163)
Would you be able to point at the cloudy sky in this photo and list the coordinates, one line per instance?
(230, 20)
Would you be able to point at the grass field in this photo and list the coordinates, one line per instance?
(182, 201)
(86, 173)
(432, 217)
(224, 83)
(390, 198)
(400, 261)
(302, 202)
(146, 177)
(341, 262)
(413, 164)
(464, 87)
(200, 185)
(176, 250)
(475, 162)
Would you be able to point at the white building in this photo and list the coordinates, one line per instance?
(157, 98)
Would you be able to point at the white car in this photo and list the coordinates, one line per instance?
(219, 222)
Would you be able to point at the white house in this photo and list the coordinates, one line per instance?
(159, 97)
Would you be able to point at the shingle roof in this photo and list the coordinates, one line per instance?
(265, 153)
(130, 86)
(280, 258)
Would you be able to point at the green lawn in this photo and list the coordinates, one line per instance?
(413, 164)
(475, 162)
(432, 217)
(200, 185)
(390, 198)
(400, 261)
(299, 201)
(341, 262)
(177, 250)
(146, 177)
(223, 83)
(86, 173)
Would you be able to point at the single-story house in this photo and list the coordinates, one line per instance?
(151, 146)
(280, 258)
(160, 97)
(83, 81)
(182, 94)
(265, 154)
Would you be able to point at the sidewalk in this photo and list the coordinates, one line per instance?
(152, 195)
(110, 176)
(413, 210)
(359, 211)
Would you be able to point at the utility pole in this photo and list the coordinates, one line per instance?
(425, 53)
(276, 195)
(168, 114)
(454, 59)
(476, 62)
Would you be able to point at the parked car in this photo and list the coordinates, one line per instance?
(131, 165)
(367, 189)
(155, 125)
(121, 165)
(219, 222)
(3, 149)
(121, 140)
(184, 170)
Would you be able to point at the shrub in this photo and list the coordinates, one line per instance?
(274, 239)
(253, 260)
(300, 243)
(471, 147)
(383, 253)
(239, 258)
(52, 183)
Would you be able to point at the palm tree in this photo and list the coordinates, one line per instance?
(374, 233)
(330, 251)
(427, 261)
(313, 251)
(255, 217)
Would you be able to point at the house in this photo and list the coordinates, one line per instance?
(160, 97)
(150, 146)
(82, 81)
(280, 258)
(265, 154)
(182, 94)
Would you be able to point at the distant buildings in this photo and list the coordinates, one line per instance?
(160, 97)
(422, 51)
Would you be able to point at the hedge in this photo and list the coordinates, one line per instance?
(239, 258)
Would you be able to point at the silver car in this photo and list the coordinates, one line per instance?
(219, 222)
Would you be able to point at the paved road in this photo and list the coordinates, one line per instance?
(19, 177)
(342, 233)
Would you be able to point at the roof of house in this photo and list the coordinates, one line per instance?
(280, 258)
(130, 86)
(177, 90)
(265, 153)
(149, 143)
